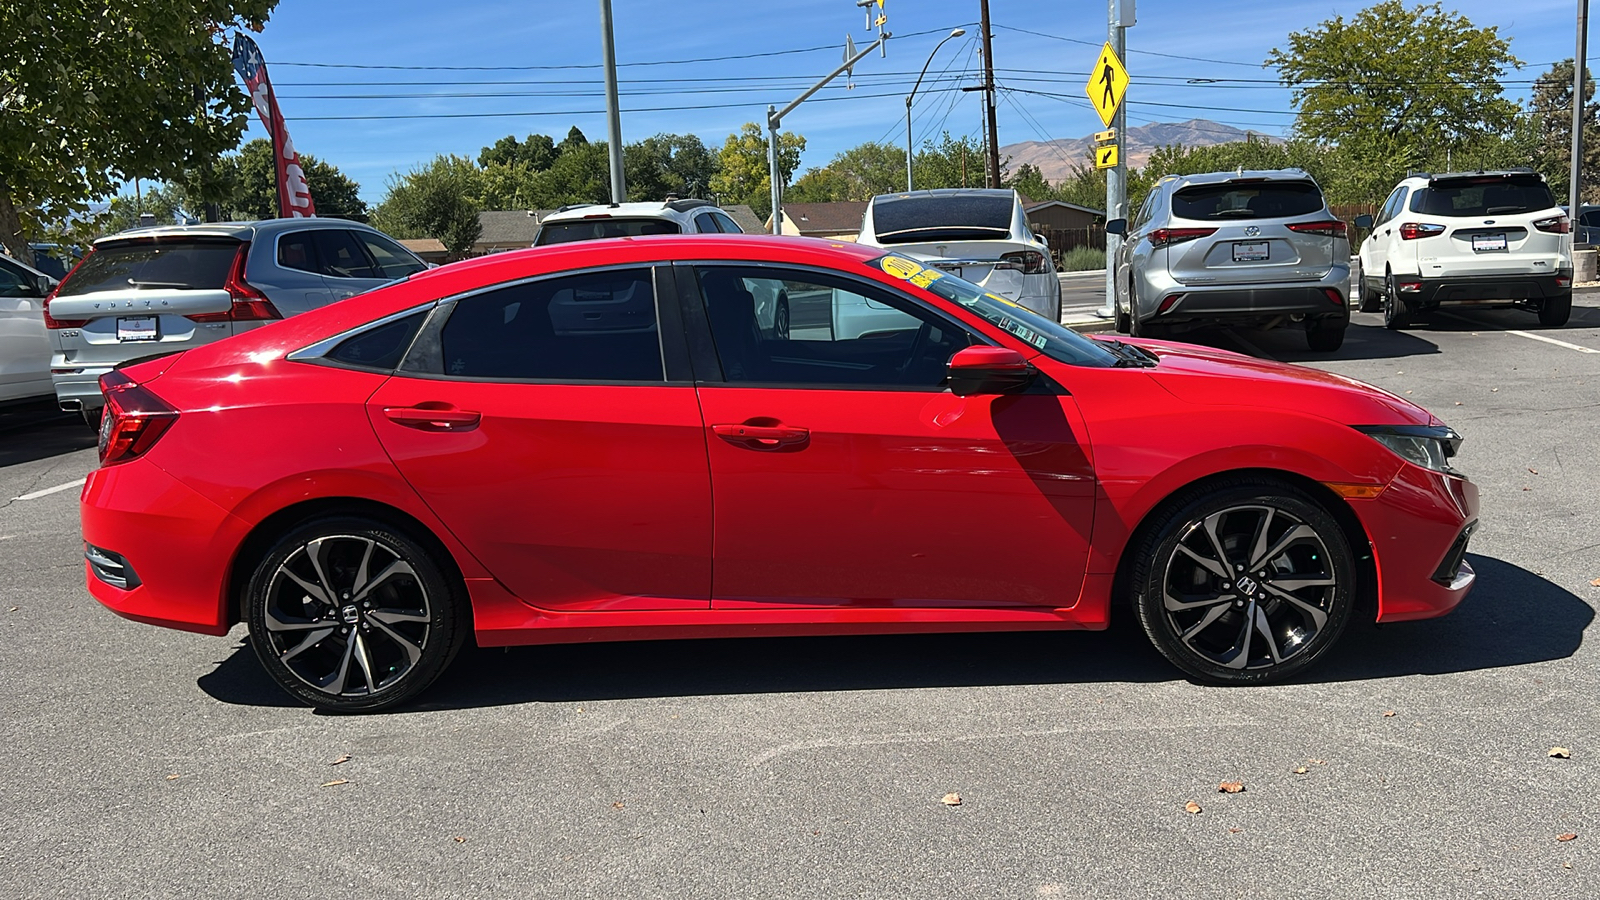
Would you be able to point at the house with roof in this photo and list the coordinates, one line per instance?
(838, 219)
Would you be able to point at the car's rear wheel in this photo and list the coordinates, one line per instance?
(351, 615)
(1555, 311)
(780, 318)
(1371, 297)
(1396, 313)
(1248, 582)
(1326, 334)
(92, 416)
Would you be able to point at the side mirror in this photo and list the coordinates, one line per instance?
(989, 370)
(44, 284)
(1117, 226)
(1364, 222)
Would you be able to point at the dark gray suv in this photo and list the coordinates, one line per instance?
(151, 291)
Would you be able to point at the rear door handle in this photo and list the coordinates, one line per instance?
(763, 437)
(424, 418)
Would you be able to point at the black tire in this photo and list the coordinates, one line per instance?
(1218, 638)
(1325, 335)
(1396, 312)
(379, 642)
(1555, 311)
(1371, 297)
(1120, 320)
(780, 318)
(92, 416)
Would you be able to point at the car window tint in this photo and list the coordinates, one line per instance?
(295, 251)
(1247, 200)
(954, 216)
(1492, 196)
(393, 260)
(704, 224)
(15, 282)
(381, 347)
(597, 326)
(602, 226)
(806, 329)
(1590, 218)
(729, 226)
(144, 263)
(341, 255)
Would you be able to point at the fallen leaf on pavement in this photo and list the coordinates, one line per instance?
(1230, 787)
(1569, 836)
(1527, 489)
(1458, 402)
(1494, 390)
(1191, 808)
(341, 760)
(1533, 470)
(175, 776)
(1560, 753)
(1318, 762)
(1595, 582)
(335, 783)
(1567, 864)
(459, 839)
(951, 799)
(618, 805)
(1301, 770)
(1388, 714)
(1235, 830)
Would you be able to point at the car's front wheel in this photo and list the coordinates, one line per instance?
(780, 318)
(1555, 311)
(351, 615)
(1247, 582)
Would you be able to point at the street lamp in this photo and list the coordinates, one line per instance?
(954, 34)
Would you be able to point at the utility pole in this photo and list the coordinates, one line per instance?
(619, 188)
(1119, 15)
(1579, 69)
(988, 95)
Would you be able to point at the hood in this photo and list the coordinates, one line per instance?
(1209, 377)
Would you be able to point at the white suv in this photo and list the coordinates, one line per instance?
(592, 221)
(1486, 238)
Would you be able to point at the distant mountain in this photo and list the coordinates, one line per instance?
(1055, 159)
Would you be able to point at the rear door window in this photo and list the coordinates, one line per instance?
(171, 264)
(341, 256)
(1493, 196)
(296, 251)
(16, 282)
(604, 227)
(393, 260)
(1247, 200)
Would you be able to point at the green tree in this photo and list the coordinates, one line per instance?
(822, 185)
(1394, 86)
(536, 152)
(1030, 182)
(742, 171)
(870, 169)
(438, 200)
(669, 163)
(581, 174)
(950, 163)
(1550, 130)
(95, 94)
(250, 179)
(165, 203)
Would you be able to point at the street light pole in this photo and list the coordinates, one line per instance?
(619, 188)
(954, 34)
(1579, 69)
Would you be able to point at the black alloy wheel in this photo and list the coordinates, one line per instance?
(780, 318)
(1248, 582)
(1371, 297)
(350, 615)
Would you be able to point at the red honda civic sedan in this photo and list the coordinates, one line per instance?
(601, 441)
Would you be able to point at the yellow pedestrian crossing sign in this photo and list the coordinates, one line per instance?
(1105, 156)
(1108, 81)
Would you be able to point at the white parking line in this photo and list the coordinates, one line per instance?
(53, 490)
(1530, 335)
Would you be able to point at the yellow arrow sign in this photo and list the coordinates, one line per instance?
(1105, 156)
(1108, 81)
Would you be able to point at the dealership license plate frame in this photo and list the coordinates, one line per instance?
(135, 329)
(1252, 251)
(1489, 243)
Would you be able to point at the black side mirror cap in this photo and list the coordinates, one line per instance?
(1117, 226)
(1364, 222)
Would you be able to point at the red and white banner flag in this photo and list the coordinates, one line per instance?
(294, 195)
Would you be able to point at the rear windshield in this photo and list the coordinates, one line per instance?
(1237, 200)
(168, 264)
(1483, 197)
(947, 217)
(592, 229)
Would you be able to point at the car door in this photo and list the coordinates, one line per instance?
(1375, 249)
(845, 474)
(537, 422)
(288, 272)
(24, 345)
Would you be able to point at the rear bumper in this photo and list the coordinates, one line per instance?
(1419, 527)
(78, 387)
(1242, 302)
(1479, 288)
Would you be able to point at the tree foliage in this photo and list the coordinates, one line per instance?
(94, 94)
(250, 178)
(1550, 130)
(437, 200)
(742, 175)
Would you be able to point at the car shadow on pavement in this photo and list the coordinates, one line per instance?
(29, 433)
(1288, 344)
(1514, 617)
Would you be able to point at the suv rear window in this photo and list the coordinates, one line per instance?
(1493, 196)
(593, 229)
(173, 264)
(1247, 200)
(950, 217)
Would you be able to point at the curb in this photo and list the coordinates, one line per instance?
(1090, 325)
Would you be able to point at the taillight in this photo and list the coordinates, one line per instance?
(1555, 225)
(249, 304)
(134, 418)
(1331, 228)
(1029, 262)
(1410, 231)
(54, 323)
(1161, 237)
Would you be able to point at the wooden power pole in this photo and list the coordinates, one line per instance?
(988, 96)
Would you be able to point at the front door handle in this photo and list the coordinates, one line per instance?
(763, 437)
(433, 417)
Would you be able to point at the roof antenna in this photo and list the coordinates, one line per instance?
(1239, 171)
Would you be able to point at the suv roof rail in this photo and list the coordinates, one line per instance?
(686, 205)
(1418, 174)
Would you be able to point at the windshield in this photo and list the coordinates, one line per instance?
(1056, 341)
(948, 217)
(1247, 200)
(1491, 196)
(601, 227)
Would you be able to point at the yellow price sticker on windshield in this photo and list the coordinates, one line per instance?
(926, 277)
(898, 267)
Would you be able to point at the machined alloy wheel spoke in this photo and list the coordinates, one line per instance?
(394, 617)
(364, 660)
(1297, 533)
(1215, 567)
(1318, 617)
(314, 591)
(1258, 547)
(1205, 622)
(1177, 603)
(314, 554)
(1242, 658)
(1296, 584)
(312, 639)
(276, 623)
(1264, 628)
(393, 570)
(413, 651)
(1216, 543)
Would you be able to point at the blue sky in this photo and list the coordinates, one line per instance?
(563, 39)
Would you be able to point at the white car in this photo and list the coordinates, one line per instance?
(24, 345)
(1485, 238)
(979, 235)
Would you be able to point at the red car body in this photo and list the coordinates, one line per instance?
(586, 511)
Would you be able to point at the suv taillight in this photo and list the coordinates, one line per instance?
(1161, 237)
(54, 323)
(1029, 262)
(1410, 231)
(1555, 225)
(134, 418)
(1331, 228)
(249, 304)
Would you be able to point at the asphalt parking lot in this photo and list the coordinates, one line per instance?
(1413, 764)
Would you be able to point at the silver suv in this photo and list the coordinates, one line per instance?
(152, 291)
(1250, 247)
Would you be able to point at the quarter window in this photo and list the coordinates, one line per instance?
(381, 347)
(704, 224)
(598, 326)
(728, 225)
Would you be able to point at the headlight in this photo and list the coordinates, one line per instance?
(1429, 446)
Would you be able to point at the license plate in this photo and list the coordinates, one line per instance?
(137, 328)
(1252, 251)
(1481, 242)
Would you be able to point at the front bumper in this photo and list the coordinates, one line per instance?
(1419, 528)
(1432, 292)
